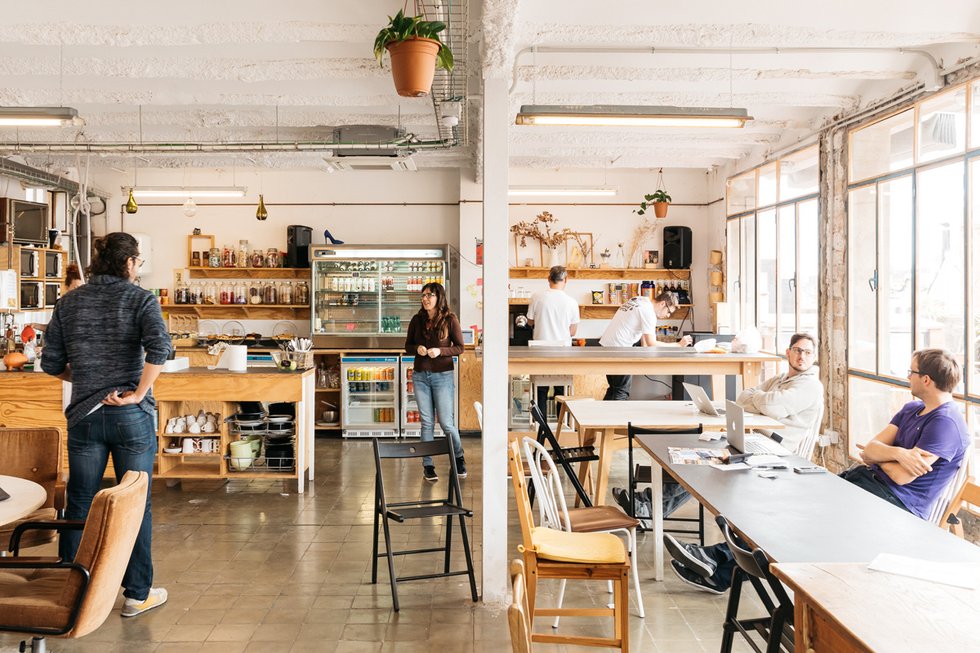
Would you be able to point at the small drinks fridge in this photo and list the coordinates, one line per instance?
(411, 420)
(369, 393)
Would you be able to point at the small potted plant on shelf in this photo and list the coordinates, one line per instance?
(415, 49)
(659, 199)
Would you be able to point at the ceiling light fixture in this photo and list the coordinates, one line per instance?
(36, 116)
(189, 191)
(560, 191)
(610, 115)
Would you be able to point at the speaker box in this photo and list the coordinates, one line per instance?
(298, 239)
(677, 248)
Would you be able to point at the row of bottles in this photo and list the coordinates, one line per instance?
(416, 284)
(242, 292)
(619, 293)
(370, 284)
(370, 373)
(237, 257)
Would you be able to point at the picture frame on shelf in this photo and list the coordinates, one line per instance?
(598, 297)
(585, 244)
(651, 258)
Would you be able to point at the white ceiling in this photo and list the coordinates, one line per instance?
(250, 70)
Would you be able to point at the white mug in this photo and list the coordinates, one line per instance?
(187, 445)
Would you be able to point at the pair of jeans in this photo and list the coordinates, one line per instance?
(866, 479)
(619, 387)
(128, 434)
(435, 394)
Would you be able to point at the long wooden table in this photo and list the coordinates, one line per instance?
(600, 419)
(845, 608)
(639, 360)
(25, 497)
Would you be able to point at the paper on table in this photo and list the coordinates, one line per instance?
(730, 468)
(947, 573)
(710, 436)
(765, 460)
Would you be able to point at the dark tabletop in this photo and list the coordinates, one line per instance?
(808, 517)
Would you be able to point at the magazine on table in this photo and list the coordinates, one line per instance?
(696, 456)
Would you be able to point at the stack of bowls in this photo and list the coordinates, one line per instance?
(280, 442)
(241, 455)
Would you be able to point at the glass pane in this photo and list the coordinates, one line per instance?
(939, 299)
(767, 184)
(882, 147)
(975, 326)
(808, 267)
(942, 125)
(766, 279)
(799, 174)
(895, 276)
(732, 276)
(870, 406)
(786, 290)
(748, 270)
(861, 279)
(741, 193)
(975, 115)
(974, 423)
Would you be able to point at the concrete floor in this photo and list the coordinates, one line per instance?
(253, 566)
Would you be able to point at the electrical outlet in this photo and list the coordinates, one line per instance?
(824, 441)
(833, 435)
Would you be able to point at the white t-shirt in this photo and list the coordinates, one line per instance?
(632, 320)
(553, 312)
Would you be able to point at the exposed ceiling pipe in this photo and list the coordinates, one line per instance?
(935, 80)
(46, 179)
(407, 147)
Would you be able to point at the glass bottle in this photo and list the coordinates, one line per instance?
(285, 293)
(180, 292)
(241, 293)
(227, 257)
(302, 294)
(255, 293)
(226, 296)
(242, 259)
(257, 259)
(270, 294)
(272, 258)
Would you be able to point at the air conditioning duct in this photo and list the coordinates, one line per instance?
(378, 141)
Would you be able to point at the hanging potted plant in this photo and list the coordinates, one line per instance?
(659, 199)
(415, 49)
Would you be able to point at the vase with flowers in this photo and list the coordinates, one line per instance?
(543, 229)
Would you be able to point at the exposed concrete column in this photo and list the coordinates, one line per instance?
(495, 252)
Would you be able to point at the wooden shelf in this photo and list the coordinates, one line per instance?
(302, 274)
(328, 389)
(246, 311)
(609, 274)
(606, 311)
(210, 468)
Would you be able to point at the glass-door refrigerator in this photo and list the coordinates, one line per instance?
(364, 296)
(410, 417)
(369, 396)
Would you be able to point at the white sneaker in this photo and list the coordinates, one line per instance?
(156, 598)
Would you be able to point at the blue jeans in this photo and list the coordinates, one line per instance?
(435, 393)
(129, 435)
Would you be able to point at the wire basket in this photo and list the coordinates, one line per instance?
(261, 464)
(303, 359)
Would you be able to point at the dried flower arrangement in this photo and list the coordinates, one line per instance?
(540, 230)
(641, 234)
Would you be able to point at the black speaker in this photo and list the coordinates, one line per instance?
(677, 248)
(298, 239)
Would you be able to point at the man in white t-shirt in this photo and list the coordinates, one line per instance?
(554, 316)
(637, 320)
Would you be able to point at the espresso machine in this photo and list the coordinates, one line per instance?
(519, 331)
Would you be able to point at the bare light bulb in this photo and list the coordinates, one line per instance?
(190, 208)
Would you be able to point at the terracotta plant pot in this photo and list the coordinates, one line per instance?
(660, 209)
(413, 65)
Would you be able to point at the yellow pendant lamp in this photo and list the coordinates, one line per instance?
(260, 212)
(131, 205)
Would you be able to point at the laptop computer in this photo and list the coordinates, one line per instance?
(737, 439)
(700, 398)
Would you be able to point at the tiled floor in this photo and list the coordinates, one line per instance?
(253, 566)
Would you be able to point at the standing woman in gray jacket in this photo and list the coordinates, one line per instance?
(109, 340)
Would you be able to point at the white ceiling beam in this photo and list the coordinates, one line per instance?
(694, 73)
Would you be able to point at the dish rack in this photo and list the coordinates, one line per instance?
(262, 462)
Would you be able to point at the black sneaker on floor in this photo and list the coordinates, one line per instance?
(692, 579)
(690, 556)
(461, 467)
(429, 474)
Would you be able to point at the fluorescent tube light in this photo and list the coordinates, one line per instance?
(603, 115)
(36, 116)
(188, 191)
(558, 191)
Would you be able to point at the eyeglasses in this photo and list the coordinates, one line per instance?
(801, 351)
(139, 261)
(917, 372)
(426, 295)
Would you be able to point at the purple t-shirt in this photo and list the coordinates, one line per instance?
(941, 432)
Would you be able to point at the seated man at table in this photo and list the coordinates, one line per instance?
(909, 463)
(636, 320)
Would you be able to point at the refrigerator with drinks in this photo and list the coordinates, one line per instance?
(369, 396)
(411, 420)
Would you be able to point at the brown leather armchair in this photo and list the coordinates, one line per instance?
(34, 454)
(45, 596)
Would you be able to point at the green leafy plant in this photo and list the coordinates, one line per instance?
(402, 28)
(659, 195)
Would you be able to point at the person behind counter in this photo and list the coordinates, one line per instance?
(637, 320)
(109, 340)
(434, 337)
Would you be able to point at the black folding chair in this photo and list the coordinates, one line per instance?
(636, 472)
(776, 629)
(400, 512)
(563, 457)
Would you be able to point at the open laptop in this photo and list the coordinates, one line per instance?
(700, 398)
(737, 439)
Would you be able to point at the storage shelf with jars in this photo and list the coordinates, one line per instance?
(249, 273)
(627, 274)
(252, 298)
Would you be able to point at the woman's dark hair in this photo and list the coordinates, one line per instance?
(441, 322)
(112, 254)
(72, 274)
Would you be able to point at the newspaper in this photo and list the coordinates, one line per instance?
(695, 456)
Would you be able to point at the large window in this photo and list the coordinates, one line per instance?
(773, 252)
(913, 248)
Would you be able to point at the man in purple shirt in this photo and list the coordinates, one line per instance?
(917, 455)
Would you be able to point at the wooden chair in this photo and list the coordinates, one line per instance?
(969, 495)
(952, 499)
(518, 614)
(550, 553)
(71, 598)
(33, 454)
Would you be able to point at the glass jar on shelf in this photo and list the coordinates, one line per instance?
(194, 293)
(255, 293)
(301, 294)
(241, 293)
(180, 292)
(210, 295)
(272, 258)
(270, 294)
(226, 295)
(257, 260)
(285, 292)
(241, 260)
(227, 257)
(214, 257)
